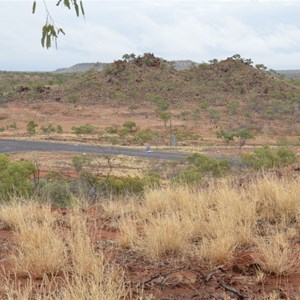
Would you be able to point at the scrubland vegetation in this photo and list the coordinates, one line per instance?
(96, 241)
(56, 254)
(219, 226)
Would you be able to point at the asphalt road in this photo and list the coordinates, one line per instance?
(9, 146)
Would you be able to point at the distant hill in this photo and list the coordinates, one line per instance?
(228, 93)
(289, 73)
(83, 67)
(98, 67)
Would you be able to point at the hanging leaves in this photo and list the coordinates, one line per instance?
(33, 7)
(49, 34)
(49, 31)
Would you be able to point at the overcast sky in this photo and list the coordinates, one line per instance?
(268, 32)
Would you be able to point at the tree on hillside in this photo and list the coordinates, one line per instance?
(165, 117)
(243, 134)
(31, 127)
(50, 31)
(226, 136)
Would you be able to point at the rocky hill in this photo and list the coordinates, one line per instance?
(229, 93)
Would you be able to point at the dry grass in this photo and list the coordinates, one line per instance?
(169, 222)
(277, 255)
(39, 250)
(208, 224)
(22, 212)
(47, 252)
(277, 200)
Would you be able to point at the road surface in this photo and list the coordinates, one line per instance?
(9, 146)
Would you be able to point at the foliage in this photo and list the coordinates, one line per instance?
(266, 158)
(73, 98)
(165, 117)
(130, 125)
(55, 190)
(15, 178)
(50, 32)
(112, 129)
(232, 107)
(208, 165)
(243, 134)
(80, 161)
(31, 127)
(84, 129)
(192, 176)
(226, 136)
(143, 136)
(59, 129)
(48, 129)
(128, 57)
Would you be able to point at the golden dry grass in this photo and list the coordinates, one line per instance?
(46, 251)
(208, 225)
(20, 212)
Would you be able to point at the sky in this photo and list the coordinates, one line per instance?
(266, 31)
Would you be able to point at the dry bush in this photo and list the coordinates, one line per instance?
(128, 233)
(168, 200)
(165, 235)
(277, 199)
(217, 250)
(107, 283)
(174, 219)
(39, 250)
(277, 255)
(43, 253)
(20, 212)
(119, 208)
(92, 276)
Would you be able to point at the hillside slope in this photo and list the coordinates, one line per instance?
(228, 94)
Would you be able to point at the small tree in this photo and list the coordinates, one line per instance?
(130, 125)
(48, 129)
(226, 136)
(59, 129)
(232, 107)
(165, 117)
(243, 134)
(264, 157)
(15, 178)
(31, 127)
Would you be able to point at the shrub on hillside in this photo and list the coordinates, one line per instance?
(201, 166)
(266, 158)
(209, 166)
(84, 129)
(143, 136)
(15, 178)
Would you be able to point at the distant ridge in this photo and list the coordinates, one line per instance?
(289, 73)
(176, 64)
(98, 67)
(83, 67)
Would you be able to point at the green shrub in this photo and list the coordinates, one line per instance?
(31, 127)
(226, 136)
(111, 129)
(84, 129)
(188, 177)
(48, 129)
(208, 165)
(57, 192)
(143, 136)
(15, 178)
(129, 125)
(266, 158)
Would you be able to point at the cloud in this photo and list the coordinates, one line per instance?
(266, 31)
